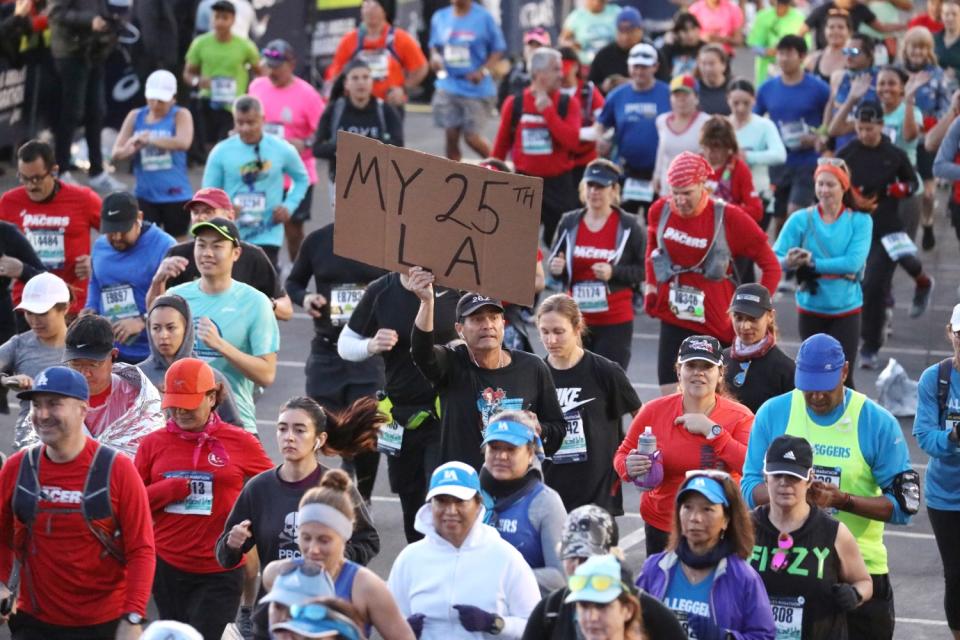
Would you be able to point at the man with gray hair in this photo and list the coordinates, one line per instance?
(540, 129)
(250, 167)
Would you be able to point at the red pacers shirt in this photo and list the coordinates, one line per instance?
(589, 292)
(543, 143)
(58, 230)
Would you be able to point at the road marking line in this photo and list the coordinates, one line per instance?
(796, 345)
(384, 498)
(932, 623)
(909, 534)
(631, 540)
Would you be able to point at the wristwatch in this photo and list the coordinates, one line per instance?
(497, 626)
(133, 618)
(715, 431)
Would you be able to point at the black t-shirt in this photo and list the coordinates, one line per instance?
(713, 100)
(817, 20)
(594, 394)
(378, 122)
(386, 304)
(762, 378)
(612, 60)
(553, 619)
(681, 58)
(872, 170)
(252, 268)
(470, 396)
(341, 281)
(813, 569)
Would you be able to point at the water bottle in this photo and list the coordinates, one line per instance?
(646, 445)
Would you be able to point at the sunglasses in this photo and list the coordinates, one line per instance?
(715, 474)
(317, 613)
(274, 54)
(250, 178)
(851, 51)
(596, 582)
(741, 377)
(832, 162)
(784, 544)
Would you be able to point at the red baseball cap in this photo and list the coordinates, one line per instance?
(211, 196)
(186, 382)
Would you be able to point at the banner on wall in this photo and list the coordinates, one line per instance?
(517, 16)
(14, 106)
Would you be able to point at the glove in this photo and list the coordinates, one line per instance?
(416, 623)
(475, 619)
(704, 628)
(808, 279)
(898, 190)
(653, 478)
(846, 596)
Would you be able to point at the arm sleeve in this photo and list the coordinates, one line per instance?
(927, 428)
(564, 130)
(853, 259)
(504, 141)
(364, 545)
(133, 515)
(760, 438)
(774, 152)
(242, 510)
(351, 346)
(522, 595)
(432, 361)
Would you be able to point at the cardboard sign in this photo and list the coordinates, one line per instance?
(475, 229)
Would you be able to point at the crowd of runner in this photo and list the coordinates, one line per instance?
(670, 188)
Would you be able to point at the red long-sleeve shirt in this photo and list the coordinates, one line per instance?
(687, 240)
(68, 578)
(552, 139)
(186, 534)
(682, 451)
(734, 183)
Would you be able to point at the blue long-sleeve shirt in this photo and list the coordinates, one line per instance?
(837, 249)
(233, 167)
(120, 280)
(942, 483)
(882, 444)
(945, 165)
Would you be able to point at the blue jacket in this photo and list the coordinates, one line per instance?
(942, 480)
(738, 599)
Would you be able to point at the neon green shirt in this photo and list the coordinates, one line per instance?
(225, 63)
(767, 30)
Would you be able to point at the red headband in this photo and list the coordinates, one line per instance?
(688, 169)
(836, 172)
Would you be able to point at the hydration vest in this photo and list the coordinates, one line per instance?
(511, 517)
(715, 262)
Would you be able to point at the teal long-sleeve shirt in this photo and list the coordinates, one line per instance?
(942, 482)
(837, 249)
(252, 175)
(882, 444)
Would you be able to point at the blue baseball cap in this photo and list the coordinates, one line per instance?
(819, 363)
(454, 479)
(709, 488)
(61, 381)
(511, 432)
(630, 16)
(596, 580)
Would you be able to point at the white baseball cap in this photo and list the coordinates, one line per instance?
(43, 291)
(170, 630)
(161, 85)
(955, 319)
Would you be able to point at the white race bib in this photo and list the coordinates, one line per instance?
(377, 60)
(200, 500)
(390, 439)
(788, 617)
(155, 159)
(457, 56)
(49, 245)
(343, 300)
(223, 89)
(536, 141)
(791, 132)
(251, 203)
(637, 190)
(274, 129)
(828, 475)
(117, 302)
(574, 445)
(591, 296)
(686, 303)
(898, 245)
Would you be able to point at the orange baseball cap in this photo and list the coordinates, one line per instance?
(186, 382)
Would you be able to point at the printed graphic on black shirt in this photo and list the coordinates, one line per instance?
(493, 401)
(287, 547)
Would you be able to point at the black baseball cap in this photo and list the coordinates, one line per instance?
(600, 173)
(706, 348)
(118, 212)
(89, 338)
(870, 111)
(470, 303)
(222, 226)
(752, 299)
(789, 455)
(224, 5)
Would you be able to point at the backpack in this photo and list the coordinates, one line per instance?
(340, 105)
(389, 45)
(943, 385)
(715, 262)
(95, 505)
(563, 106)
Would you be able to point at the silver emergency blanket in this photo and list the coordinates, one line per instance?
(131, 412)
(897, 392)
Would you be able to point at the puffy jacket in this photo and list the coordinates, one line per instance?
(431, 575)
(628, 266)
(130, 413)
(738, 599)
(71, 30)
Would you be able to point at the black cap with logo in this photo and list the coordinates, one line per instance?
(89, 338)
(118, 212)
(222, 226)
(470, 303)
(706, 348)
(789, 455)
(752, 299)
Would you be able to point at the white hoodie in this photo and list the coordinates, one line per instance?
(431, 575)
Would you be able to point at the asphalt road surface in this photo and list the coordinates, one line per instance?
(915, 565)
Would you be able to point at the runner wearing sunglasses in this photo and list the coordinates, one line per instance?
(607, 607)
(320, 618)
(703, 576)
(809, 562)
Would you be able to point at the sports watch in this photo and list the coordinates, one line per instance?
(497, 626)
(715, 431)
(133, 618)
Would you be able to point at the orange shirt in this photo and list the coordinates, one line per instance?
(385, 67)
(682, 451)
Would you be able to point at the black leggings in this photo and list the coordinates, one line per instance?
(207, 601)
(846, 329)
(945, 526)
(656, 540)
(611, 341)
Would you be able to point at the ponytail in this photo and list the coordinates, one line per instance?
(349, 432)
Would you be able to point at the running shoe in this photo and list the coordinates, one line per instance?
(105, 183)
(245, 622)
(921, 299)
(868, 360)
(928, 241)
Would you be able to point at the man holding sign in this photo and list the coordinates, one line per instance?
(480, 378)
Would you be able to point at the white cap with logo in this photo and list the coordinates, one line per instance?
(43, 291)
(161, 85)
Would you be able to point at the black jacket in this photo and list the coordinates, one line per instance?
(628, 266)
(764, 378)
(14, 244)
(71, 29)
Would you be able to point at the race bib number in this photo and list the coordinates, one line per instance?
(536, 141)
(117, 302)
(274, 129)
(791, 132)
(638, 190)
(591, 296)
(251, 203)
(574, 445)
(377, 60)
(200, 500)
(788, 617)
(390, 439)
(686, 303)
(343, 300)
(457, 56)
(49, 245)
(951, 420)
(223, 89)
(898, 245)
(155, 159)
(827, 475)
